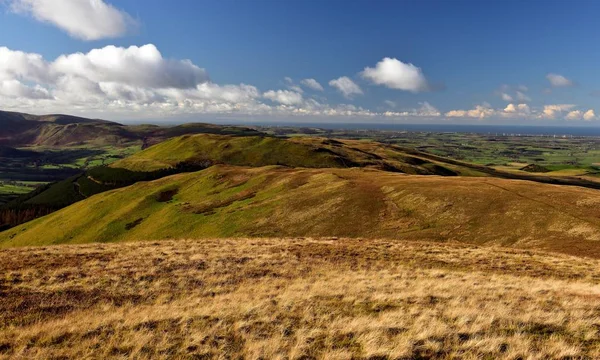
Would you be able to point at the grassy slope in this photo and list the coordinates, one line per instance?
(250, 151)
(296, 299)
(225, 201)
(295, 152)
(192, 153)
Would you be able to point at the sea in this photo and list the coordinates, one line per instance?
(519, 130)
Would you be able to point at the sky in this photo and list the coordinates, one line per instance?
(331, 61)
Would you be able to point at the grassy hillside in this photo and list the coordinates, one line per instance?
(296, 299)
(195, 152)
(294, 152)
(249, 151)
(225, 201)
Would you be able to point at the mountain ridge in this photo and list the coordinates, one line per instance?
(232, 201)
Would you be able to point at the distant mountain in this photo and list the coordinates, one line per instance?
(19, 129)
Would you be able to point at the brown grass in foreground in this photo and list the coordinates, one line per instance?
(297, 299)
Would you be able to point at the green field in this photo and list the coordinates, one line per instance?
(564, 156)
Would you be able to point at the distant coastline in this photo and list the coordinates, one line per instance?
(523, 130)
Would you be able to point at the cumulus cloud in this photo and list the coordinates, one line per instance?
(346, 86)
(480, 112)
(16, 89)
(589, 115)
(116, 82)
(525, 112)
(138, 66)
(82, 19)
(312, 84)
(557, 80)
(575, 115)
(517, 109)
(506, 97)
(17, 64)
(114, 78)
(395, 74)
(553, 111)
(284, 97)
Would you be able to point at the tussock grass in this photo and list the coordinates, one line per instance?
(297, 299)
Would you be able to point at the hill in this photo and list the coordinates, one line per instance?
(19, 129)
(195, 152)
(227, 201)
(311, 152)
(298, 299)
(26, 129)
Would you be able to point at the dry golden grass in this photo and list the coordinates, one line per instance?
(297, 299)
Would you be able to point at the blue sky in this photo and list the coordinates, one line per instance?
(514, 62)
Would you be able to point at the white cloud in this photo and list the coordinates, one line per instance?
(16, 89)
(510, 93)
(312, 84)
(425, 110)
(480, 112)
(512, 109)
(395, 74)
(522, 97)
(296, 88)
(552, 111)
(557, 80)
(346, 86)
(589, 115)
(137, 66)
(20, 65)
(428, 110)
(289, 83)
(134, 79)
(390, 103)
(284, 97)
(83, 19)
(574, 115)
(137, 82)
(525, 112)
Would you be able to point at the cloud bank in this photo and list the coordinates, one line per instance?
(139, 82)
